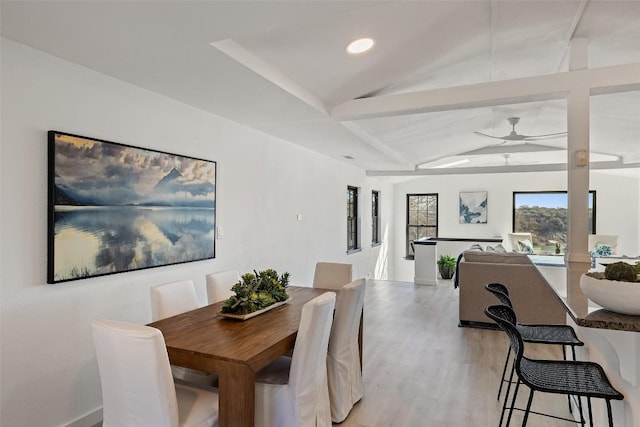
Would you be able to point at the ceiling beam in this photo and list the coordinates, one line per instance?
(262, 68)
(618, 78)
(500, 169)
(377, 144)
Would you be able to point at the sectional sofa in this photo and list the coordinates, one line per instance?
(533, 299)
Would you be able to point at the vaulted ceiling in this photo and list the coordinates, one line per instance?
(280, 67)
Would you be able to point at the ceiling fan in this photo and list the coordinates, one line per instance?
(514, 136)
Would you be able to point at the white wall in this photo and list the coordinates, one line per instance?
(49, 373)
(617, 207)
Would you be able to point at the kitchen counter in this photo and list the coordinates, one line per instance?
(611, 339)
(583, 311)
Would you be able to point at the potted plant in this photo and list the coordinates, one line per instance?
(446, 266)
(257, 291)
(617, 289)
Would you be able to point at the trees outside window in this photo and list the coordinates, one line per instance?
(422, 218)
(544, 215)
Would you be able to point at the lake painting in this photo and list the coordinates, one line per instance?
(116, 208)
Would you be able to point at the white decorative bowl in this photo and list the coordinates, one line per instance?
(619, 297)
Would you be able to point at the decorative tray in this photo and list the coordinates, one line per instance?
(255, 313)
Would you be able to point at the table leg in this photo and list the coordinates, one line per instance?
(237, 386)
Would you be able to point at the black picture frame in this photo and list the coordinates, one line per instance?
(114, 208)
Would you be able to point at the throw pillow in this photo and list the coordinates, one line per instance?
(499, 248)
(475, 247)
(525, 246)
(490, 249)
(603, 250)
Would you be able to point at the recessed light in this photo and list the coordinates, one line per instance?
(360, 45)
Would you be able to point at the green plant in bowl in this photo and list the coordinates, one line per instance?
(636, 266)
(256, 291)
(621, 271)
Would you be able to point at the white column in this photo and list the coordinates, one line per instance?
(578, 160)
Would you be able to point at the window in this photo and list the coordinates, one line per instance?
(375, 218)
(422, 218)
(544, 215)
(352, 219)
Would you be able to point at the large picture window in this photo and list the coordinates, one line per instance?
(544, 215)
(422, 218)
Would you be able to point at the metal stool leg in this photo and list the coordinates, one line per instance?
(590, 414)
(609, 412)
(504, 372)
(513, 402)
(506, 397)
(526, 413)
(582, 419)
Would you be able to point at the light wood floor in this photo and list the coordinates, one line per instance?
(421, 370)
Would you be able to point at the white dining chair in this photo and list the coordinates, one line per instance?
(332, 275)
(219, 285)
(344, 372)
(137, 387)
(293, 391)
(170, 299)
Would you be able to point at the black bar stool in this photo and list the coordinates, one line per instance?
(562, 335)
(586, 379)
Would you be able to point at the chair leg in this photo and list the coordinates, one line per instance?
(564, 357)
(582, 420)
(609, 412)
(504, 372)
(590, 414)
(513, 402)
(506, 397)
(526, 413)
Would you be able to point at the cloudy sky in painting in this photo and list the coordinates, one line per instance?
(109, 173)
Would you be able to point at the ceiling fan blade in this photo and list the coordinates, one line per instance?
(491, 136)
(545, 136)
(515, 137)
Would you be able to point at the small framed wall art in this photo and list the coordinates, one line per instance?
(473, 207)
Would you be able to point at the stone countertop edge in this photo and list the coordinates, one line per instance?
(600, 318)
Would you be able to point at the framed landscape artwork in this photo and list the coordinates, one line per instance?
(114, 208)
(473, 207)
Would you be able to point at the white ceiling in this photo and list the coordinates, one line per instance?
(280, 66)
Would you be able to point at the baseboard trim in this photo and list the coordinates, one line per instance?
(92, 419)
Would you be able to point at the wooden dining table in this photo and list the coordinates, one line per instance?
(235, 350)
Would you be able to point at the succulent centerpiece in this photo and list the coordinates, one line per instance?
(257, 291)
(617, 289)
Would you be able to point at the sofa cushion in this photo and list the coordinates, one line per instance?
(496, 257)
(602, 250)
(525, 246)
(496, 249)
